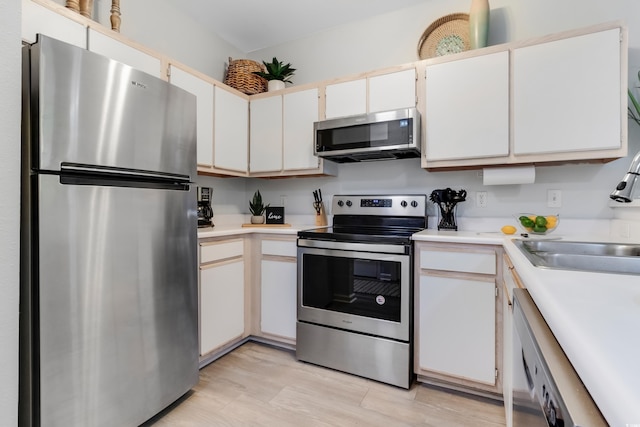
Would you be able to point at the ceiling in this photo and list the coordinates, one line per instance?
(250, 25)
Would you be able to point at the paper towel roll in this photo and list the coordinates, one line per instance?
(510, 175)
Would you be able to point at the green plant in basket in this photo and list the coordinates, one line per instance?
(276, 70)
(256, 207)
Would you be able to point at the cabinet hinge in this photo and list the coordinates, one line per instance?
(496, 372)
(168, 70)
(496, 288)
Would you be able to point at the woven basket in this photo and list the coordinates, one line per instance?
(240, 76)
(446, 35)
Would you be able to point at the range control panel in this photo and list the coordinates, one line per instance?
(384, 205)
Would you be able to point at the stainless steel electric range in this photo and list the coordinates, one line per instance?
(355, 287)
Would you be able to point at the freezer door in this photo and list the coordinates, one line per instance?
(117, 300)
(91, 110)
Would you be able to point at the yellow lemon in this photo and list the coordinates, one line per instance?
(508, 229)
(552, 221)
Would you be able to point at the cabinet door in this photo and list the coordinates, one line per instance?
(392, 91)
(346, 99)
(266, 135)
(221, 305)
(39, 19)
(203, 91)
(231, 131)
(278, 298)
(457, 327)
(114, 49)
(300, 111)
(567, 95)
(467, 108)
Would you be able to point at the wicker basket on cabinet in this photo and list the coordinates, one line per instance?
(240, 76)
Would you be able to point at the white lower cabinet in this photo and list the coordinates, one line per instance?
(278, 289)
(456, 316)
(278, 298)
(222, 294)
(457, 327)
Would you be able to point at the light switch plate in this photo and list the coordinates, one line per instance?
(554, 198)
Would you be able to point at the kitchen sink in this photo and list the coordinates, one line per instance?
(583, 256)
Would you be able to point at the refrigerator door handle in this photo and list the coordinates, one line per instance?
(79, 169)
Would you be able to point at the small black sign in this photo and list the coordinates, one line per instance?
(275, 215)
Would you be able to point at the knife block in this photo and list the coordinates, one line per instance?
(321, 217)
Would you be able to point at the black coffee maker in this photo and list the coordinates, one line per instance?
(205, 212)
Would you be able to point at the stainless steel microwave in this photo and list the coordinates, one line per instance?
(375, 136)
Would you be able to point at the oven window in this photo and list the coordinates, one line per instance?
(363, 287)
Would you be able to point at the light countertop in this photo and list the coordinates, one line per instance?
(230, 230)
(594, 316)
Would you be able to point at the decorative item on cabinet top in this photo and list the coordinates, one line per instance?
(240, 75)
(277, 74)
(479, 23)
(85, 8)
(446, 35)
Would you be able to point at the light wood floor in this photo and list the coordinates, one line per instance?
(259, 385)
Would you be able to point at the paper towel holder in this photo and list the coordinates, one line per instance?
(509, 175)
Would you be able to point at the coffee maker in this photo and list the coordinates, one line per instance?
(205, 212)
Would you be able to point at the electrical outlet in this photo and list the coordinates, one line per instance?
(481, 199)
(283, 201)
(554, 198)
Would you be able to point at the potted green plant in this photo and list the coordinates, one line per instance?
(277, 74)
(257, 208)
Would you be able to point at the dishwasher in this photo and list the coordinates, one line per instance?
(551, 393)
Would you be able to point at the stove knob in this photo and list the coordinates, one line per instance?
(349, 203)
(340, 203)
(414, 204)
(403, 203)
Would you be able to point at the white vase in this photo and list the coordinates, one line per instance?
(257, 219)
(479, 23)
(275, 85)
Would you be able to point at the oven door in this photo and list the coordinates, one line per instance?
(356, 287)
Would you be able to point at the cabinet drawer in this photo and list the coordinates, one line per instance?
(215, 251)
(466, 262)
(279, 248)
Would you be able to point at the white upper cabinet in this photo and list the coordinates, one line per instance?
(300, 111)
(392, 91)
(560, 98)
(467, 108)
(265, 153)
(346, 99)
(39, 19)
(382, 92)
(566, 94)
(231, 131)
(125, 53)
(203, 90)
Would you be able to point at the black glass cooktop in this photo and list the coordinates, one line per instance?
(361, 234)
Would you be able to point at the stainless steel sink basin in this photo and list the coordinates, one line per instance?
(582, 256)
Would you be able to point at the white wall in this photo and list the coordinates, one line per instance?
(10, 67)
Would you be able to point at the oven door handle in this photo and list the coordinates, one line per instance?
(361, 247)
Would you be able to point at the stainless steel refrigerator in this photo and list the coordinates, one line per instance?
(109, 263)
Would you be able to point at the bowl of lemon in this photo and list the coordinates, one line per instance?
(537, 224)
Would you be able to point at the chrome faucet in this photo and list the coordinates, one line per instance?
(623, 190)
